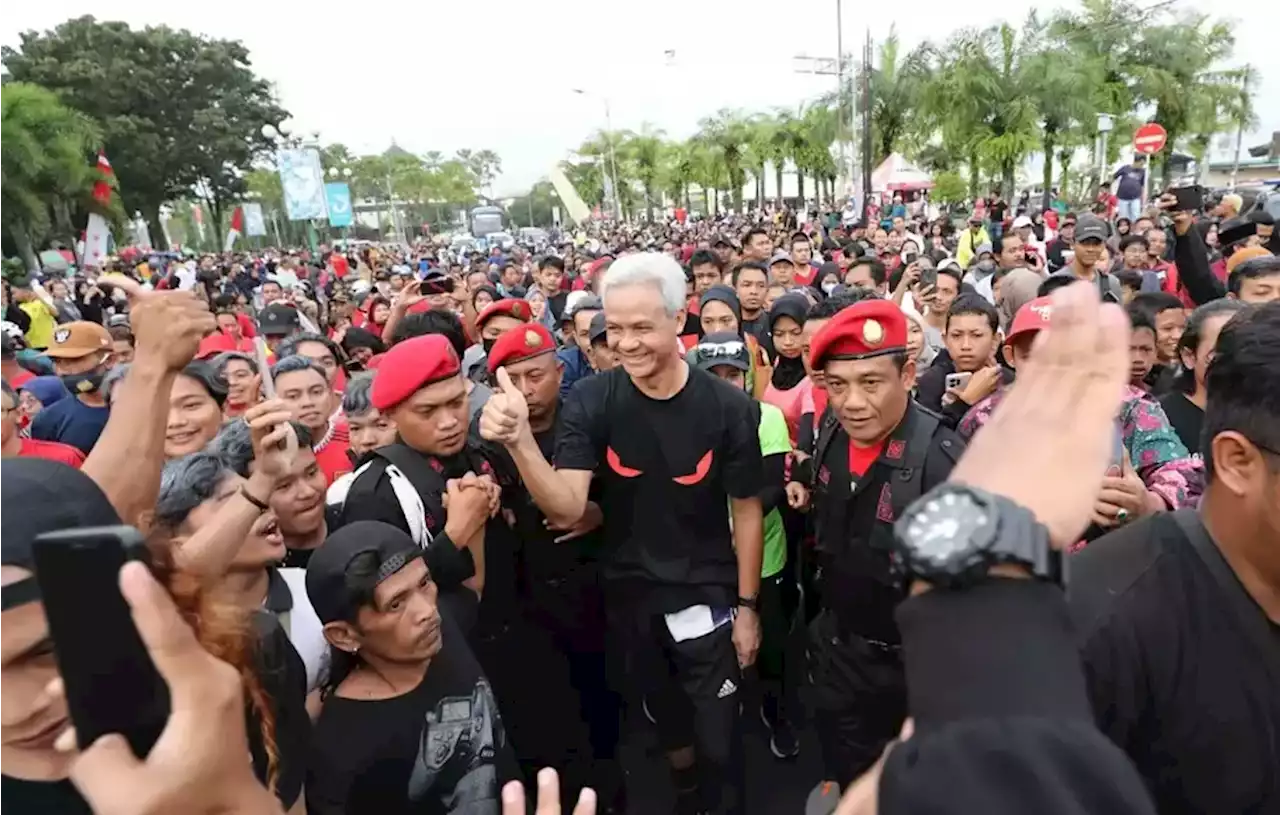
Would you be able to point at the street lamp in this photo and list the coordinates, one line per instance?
(613, 159)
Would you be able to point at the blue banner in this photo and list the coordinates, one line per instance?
(338, 197)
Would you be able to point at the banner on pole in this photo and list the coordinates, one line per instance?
(338, 200)
(303, 183)
(254, 224)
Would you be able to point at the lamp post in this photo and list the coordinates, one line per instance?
(613, 159)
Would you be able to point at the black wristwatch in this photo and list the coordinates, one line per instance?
(953, 534)
(752, 603)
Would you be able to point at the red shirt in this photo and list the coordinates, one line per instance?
(804, 275)
(861, 458)
(53, 451)
(21, 378)
(332, 457)
(340, 265)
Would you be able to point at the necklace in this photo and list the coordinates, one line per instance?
(326, 438)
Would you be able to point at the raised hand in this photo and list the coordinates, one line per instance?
(505, 417)
(167, 325)
(274, 441)
(1048, 442)
(408, 297)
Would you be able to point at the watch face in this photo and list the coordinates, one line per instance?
(948, 528)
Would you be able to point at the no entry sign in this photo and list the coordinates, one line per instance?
(1149, 139)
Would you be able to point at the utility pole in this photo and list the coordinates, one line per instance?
(840, 70)
(1244, 103)
(866, 126)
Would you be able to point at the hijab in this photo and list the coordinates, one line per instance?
(48, 389)
(787, 373)
(1017, 288)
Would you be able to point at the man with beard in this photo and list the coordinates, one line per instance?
(81, 354)
(436, 485)
(877, 451)
(668, 441)
(559, 567)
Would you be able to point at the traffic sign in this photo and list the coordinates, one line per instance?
(1149, 139)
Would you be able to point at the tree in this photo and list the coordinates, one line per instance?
(948, 188)
(1177, 71)
(45, 163)
(176, 110)
(726, 135)
(897, 91)
(644, 152)
(1061, 80)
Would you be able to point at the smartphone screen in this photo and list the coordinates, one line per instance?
(111, 684)
(1190, 198)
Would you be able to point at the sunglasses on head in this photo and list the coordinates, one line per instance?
(716, 350)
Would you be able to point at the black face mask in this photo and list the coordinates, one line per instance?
(88, 382)
(487, 344)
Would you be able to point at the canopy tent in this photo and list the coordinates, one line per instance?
(896, 173)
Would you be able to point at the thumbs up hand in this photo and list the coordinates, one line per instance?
(505, 418)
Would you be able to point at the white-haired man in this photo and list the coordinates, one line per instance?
(665, 444)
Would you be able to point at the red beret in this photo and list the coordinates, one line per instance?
(866, 329)
(509, 306)
(520, 344)
(410, 366)
(215, 344)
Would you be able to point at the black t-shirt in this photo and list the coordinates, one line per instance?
(556, 303)
(997, 209)
(1174, 679)
(440, 748)
(23, 797)
(665, 466)
(1187, 419)
(284, 680)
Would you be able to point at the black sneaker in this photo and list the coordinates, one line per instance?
(783, 742)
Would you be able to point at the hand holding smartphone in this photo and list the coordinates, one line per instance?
(264, 368)
(110, 682)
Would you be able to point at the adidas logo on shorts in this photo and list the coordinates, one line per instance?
(727, 689)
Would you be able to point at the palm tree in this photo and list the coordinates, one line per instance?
(644, 152)
(679, 170)
(1177, 72)
(727, 133)
(994, 78)
(897, 90)
(45, 162)
(1062, 81)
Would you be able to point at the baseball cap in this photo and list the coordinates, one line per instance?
(79, 339)
(278, 320)
(982, 249)
(587, 302)
(335, 594)
(1091, 228)
(1032, 317)
(39, 496)
(1021, 221)
(722, 348)
(780, 257)
(1234, 230)
(599, 328)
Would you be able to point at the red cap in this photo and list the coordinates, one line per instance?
(866, 329)
(520, 344)
(1032, 317)
(215, 344)
(410, 366)
(509, 306)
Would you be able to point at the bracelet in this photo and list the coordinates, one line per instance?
(262, 506)
(752, 603)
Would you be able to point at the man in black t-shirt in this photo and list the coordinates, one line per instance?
(410, 723)
(669, 444)
(1178, 615)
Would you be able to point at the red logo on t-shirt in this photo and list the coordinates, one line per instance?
(895, 449)
(615, 464)
(699, 472)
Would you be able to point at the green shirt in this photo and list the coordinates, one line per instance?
(774, 439)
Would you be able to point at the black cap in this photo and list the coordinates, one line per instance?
(1091, 228)
(39, 496)
(334, 593)
(1234, 230)
(599, 328)
(278, 320)
(722, 348)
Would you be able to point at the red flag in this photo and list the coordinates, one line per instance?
(236, 230)
(102, 187)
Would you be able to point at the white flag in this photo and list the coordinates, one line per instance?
(97, 239)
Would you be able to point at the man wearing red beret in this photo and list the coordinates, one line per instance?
(560, 565)
(437, 485)
(666, 444)
(877, 451)
(496, 319)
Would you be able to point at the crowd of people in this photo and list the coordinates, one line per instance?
(429, 527)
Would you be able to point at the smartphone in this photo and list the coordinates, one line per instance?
(957, 380)
(1190, 198)
(111, 684)
(928, 275)
(1116, 465)
(264, 368)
